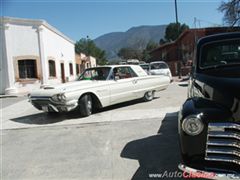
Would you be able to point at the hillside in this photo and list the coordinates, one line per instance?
(135, 37)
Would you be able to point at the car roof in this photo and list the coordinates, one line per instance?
(136, 68)
(114, 66)
(219, 36)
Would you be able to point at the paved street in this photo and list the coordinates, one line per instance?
(7, 101)
(126, 141)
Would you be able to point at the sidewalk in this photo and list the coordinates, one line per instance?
(13, 95)
(8, 96)
(20, 93)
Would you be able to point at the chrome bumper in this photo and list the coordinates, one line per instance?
(47, 105)
(205, 174)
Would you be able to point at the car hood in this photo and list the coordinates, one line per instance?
(49, 90)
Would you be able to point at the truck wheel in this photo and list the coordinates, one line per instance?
(148, 96)
(85, 105)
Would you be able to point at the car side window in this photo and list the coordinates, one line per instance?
(123, 73)
(133, 74)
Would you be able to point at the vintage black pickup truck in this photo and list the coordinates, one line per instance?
(209, 120)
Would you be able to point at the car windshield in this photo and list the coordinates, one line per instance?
(158, 66)
(99, 73)
(220, 54)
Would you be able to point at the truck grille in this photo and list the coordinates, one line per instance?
(223, 143)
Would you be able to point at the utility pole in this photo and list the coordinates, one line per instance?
(176, 12)
(178, 49)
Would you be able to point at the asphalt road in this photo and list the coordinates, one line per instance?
(128, 141)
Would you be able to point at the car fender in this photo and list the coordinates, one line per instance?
(210, 112)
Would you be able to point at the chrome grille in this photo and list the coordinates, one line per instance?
(223, 143)
(42, 101)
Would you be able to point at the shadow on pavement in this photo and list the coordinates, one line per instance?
(44, 118)
(158, 154)
(185, 79)
(183, 84)
(124, 104)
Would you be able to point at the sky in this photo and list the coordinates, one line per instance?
(81, 18)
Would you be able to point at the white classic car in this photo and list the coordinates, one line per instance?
(159, 67)
(99, 87)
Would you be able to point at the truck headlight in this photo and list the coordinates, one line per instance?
(192, 125)
(59, 97)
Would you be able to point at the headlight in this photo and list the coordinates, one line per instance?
(59, 97)
(62, 97)
(55, 98)
(192, 125)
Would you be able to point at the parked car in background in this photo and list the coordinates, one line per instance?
(209, 120)
(160, 68)
(99, 87)
(133, 61)
(145, 67)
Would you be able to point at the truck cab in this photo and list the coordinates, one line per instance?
(209, 120)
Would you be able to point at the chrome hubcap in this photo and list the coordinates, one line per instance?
(149, 94)
(89, 105)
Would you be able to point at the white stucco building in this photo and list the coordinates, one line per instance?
(33, 53)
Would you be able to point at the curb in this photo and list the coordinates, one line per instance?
(8, 96)
(12, 96)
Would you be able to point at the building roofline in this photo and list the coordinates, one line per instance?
(191, 30)
(164, 45)
(36, 22)
(205, 29)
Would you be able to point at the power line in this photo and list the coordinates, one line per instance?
(197, 23)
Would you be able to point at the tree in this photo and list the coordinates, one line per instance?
(231, 10)
(162, 41)
(129, 53)
(173, 30)
(142, 55)
(88, 47)
(151, 45)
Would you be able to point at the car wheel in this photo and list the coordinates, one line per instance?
(85, 105)
(148, 96)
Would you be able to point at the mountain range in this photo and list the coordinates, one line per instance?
(135, 37)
